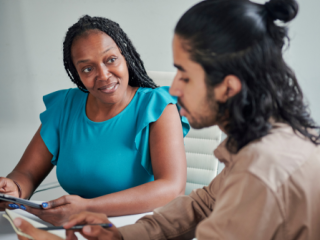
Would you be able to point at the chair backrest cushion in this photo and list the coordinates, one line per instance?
(202, 166)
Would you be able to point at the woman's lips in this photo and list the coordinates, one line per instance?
(110, 88)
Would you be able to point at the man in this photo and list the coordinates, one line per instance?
(231, 73)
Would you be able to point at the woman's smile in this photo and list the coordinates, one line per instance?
(109, 88)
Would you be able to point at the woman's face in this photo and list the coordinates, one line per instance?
(101, 66)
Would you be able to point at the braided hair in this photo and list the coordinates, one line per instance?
(137, 73)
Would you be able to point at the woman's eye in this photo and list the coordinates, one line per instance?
(111, 60)
(87, 70)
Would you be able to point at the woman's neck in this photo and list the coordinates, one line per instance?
(98, 111)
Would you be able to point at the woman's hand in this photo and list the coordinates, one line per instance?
(92, 232)
(7, 186)
(33, 232)
(58, 211)
(32, 168)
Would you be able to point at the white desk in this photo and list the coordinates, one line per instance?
(7, 232)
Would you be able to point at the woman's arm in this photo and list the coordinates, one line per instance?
(33, 167)
(169, 168)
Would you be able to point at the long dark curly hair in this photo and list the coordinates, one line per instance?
(137, 73)
(241, 38)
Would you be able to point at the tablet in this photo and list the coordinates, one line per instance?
(9, 198)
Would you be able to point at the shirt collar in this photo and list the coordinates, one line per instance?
(224, 156)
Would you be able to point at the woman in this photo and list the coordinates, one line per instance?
(117, 140)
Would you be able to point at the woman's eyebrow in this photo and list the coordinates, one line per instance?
(87, 60)
(107, 50)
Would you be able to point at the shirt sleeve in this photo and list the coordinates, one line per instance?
(178, 219)
(50, 121)
(151, 108)
(247, 209)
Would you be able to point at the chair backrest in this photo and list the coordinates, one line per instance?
(202, 166)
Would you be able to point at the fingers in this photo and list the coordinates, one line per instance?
(2, 183)
(91, 232)
(71, 235)
(94, 231)
(56, 215)
(50, 207)
(23, 207)
(51, 215)
(56, 203)
(35, 211)
(4, 205)
(33, 232)
(97, 232)
(9, 205)
(24, 227)
(29, 231)
(16, 206)
(86, 218)
(7, 186)
(22, 237)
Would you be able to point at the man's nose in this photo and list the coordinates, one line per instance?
(175, 89)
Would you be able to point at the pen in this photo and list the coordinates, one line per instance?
(76, 227)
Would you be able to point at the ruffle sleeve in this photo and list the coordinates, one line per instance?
(50, 120)
(152, 107)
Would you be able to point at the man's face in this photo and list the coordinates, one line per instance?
(195, 98)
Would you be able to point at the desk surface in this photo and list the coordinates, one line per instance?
(7, 232)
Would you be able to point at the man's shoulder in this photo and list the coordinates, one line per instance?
(277, 156)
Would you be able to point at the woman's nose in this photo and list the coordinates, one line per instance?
(103, 72)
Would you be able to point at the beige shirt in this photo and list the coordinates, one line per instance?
(270, 189)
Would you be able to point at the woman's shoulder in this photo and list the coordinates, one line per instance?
(63, 95)
(164, 89)
(70, 92)
(64, 101)
(159, 94)
(152, 102)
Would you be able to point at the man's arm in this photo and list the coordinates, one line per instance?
(178, 219)
(246, 209)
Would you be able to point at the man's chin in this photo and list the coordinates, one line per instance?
(197, 125)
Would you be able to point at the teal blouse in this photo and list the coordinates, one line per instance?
(98, 158)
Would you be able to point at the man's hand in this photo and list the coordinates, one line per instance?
(7, 186)
(33, 232)
(92, 232)
(58, 211)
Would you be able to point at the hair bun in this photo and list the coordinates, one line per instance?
(284, 10)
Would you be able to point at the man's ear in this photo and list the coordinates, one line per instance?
(229, 87)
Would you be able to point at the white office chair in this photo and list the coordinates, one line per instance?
(202, 166)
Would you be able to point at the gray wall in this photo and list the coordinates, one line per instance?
(31, 35)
